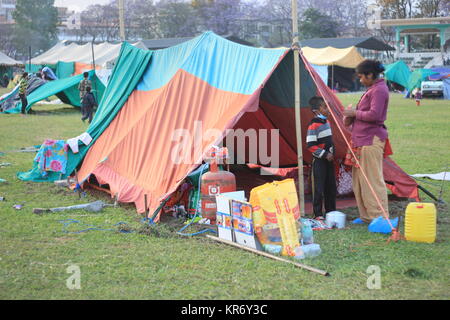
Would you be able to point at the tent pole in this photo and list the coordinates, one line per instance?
(332, 77)
(121, 20)
(298, 126)
(29, 58)
(93, 64)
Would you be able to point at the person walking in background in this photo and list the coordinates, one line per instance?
(5, 81)
(319, 141)
(418, 97)
(23, 85)
(369, 141)
(88, 104)
(83, 85)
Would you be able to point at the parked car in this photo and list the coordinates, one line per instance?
(432, 88)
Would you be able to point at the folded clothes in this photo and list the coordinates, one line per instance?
(73, 142)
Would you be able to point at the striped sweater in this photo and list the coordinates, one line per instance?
(319, 139)
(23, 85)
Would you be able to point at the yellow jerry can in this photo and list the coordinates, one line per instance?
(420, 222)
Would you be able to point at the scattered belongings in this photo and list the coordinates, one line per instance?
(95, 206)
(5, 164)
(335, 219)
(381, 225)
(29, 149)
(52, 156)
(73, 142)
(2, 199)
(276, 216)
(268, 255)
(269, 222)
(3, 180)
(18, 206)
(62, 183)
(121, 227)
(53, 102)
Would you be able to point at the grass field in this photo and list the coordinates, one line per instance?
(155, 263)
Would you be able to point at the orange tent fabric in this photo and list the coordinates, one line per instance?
(81, 67)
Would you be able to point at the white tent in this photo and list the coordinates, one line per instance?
(103, 53)
(7, 61)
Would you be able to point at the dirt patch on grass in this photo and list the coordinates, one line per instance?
(64, 239)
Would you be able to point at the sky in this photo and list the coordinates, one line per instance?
(78, 5)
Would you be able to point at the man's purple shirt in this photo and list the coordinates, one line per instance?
(370, 115)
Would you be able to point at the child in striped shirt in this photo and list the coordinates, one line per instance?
(319, 141)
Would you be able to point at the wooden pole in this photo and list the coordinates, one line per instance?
(95, 74)
(29, 58)
(121, 20)
(268, 255)
(298, 124)
(332, 77)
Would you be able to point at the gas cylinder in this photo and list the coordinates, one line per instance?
(213, 183)
(420, 222)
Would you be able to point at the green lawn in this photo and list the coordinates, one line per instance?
(158, 264)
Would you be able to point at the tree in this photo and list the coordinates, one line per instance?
(314, 24)
(176, 18)
(430, 8)
(220, 16)
(7, 40)
(100, 22)
(397, 9)
(141, 20)
(36, 25)
(278, 12)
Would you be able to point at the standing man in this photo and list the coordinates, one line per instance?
(88, 104)
(23, 85)
(82, 87)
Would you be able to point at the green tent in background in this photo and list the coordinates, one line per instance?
(64, 69)
(416, 78)
(65, 89)
(61, 69)
(8, 70)
(398, 72)
(127, 73)
(34, 68)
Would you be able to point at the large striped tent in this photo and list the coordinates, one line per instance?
(171, 104)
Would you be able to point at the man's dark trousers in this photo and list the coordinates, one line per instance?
(23, 99)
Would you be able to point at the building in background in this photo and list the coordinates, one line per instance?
(408, 33)
(6, 9)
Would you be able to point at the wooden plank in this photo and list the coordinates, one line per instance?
(271, 256)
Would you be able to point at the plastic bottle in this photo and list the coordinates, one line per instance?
(311, 250)
(307, 232)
